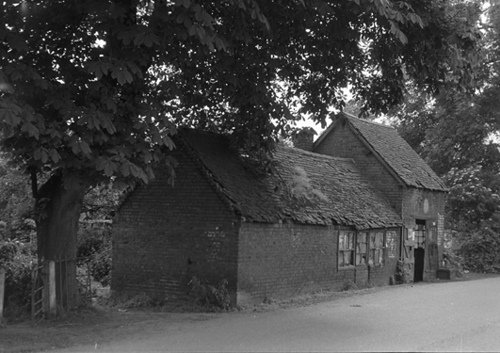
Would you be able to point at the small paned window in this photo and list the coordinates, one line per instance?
(346, 249)
(390, 242)
(420, 231)
(362, 248)
(376, 248)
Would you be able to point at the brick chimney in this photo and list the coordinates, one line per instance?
(303, 139)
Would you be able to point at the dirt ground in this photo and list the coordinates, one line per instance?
(100, 324)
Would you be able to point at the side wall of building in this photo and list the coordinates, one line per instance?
(164, 236)
(341, 142)
(282, 260)
(422, 204)
(412, 203)
(428, 206)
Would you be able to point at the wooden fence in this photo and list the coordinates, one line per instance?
(50, 290)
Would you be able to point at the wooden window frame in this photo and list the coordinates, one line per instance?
(360, 259)
(391, 250)
(376, 250)
(341, 251)
(420, 233)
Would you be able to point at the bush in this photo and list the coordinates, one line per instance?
(480, 250)
(349, 285)
(100, 267)
(16, 204)
(453, 262)
(89, 246)
(17, 259)
(94, 249)
(403, 274)
(141, 300)
(210, 296)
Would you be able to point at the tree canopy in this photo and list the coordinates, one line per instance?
(100, 86)
(458, 133)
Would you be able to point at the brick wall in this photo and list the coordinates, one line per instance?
(165, 235)
(282, 260)
(421, 204)
(341, 142)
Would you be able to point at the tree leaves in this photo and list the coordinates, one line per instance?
(10, 113)
(140, 36)
(31, 130)
(43, 155)
(99, 68)
(107, 166)
(79, 146)
(40, 154)
(122, 71)
(97, 86)
(122, 75)
(453, 131)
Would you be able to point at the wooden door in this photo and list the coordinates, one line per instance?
(418, 275)
(407, 253)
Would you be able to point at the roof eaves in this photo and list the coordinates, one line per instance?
(384, 162)
(211, 178)
(318, 155)
(444, 189)
(325, 133)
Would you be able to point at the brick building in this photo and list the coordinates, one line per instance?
(406, 181)
(314, 221)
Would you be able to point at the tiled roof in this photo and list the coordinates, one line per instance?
(336, 191)
(396, 153)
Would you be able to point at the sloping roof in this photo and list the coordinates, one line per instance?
(342, 196)
(398, 155)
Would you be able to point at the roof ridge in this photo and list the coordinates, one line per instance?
(348, 116)
(417, 179)
(210, 175)
(332, 186)
(351, 116)
(317, 155)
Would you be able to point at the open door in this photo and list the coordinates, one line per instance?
(418, 275)
(420, 233)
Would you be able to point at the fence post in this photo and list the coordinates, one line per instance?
(52, 288)
(2, 291)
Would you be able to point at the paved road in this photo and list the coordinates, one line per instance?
(454, 316)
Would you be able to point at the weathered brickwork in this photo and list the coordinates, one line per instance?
(164, 236)
(428, 206)
(281, 260)
(421, 204)
(341, 142)
(410, 202)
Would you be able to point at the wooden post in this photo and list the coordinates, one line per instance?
(52, 288)
(2, 291)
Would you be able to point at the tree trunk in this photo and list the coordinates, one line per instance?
(59, 203)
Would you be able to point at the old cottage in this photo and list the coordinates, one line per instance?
(414, 191)
(315, 220)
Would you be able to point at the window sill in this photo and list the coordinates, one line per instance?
(344, 268)
(352, 267)
(361, 266)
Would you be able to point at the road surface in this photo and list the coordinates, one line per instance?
(453, 316)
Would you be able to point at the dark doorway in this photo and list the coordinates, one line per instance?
(418, 276)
